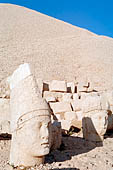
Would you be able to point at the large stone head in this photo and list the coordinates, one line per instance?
(30, 118)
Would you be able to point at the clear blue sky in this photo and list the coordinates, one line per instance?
(94, 15)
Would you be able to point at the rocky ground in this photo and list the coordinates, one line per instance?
(75, 154)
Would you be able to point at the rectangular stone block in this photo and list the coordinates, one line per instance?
(66, 124)
(66, 97)
(60, 107)
(76, 105)
(75, 96)
(56, 95)
(58, 86)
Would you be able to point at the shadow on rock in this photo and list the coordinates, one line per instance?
(72, 146)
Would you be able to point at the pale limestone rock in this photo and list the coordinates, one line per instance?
(80, 115)
(81, 87)
(4, 88)
(50, 99)
(76, 105)
(75, 118)
(71, 88)
(56, 135)
(91, 103)
(70, 115)
(60, 107)
(30, 120)
(65, 124)
(56, 95)
(95, 125)
(75, 96)
(4, 116)
(58, 86)
(66, 97)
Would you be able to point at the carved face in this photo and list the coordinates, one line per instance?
(35, 135)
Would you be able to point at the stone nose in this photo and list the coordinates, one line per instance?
(45, 132)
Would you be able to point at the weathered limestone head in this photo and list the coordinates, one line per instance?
(30, 120)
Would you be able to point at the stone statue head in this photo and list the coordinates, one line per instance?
(30, 120)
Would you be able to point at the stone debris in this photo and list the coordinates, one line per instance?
(66, 97)
(95, 125)
(95, 119)
(56, 95)
(60, 107)
(76, 105)
(70, 116)
(58, 86)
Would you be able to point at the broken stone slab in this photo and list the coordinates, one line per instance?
(4, 88)
(60, 107)
(58, 86)
(95, 125)
(30, 116)
(56, 95)
(4, 116)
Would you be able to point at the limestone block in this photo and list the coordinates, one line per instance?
(56, 95)
(75, 118)
(30, 120)
(4, 116)
(50, 99)
(71, 88)
(56, 135)
(81, 87)
(79, 115)
(76, 105)
(4, 88)
(70, 115)
(66, 124)
(95, 125)
(66, 97)
(58, 86)
(60, 107)
(91, 103)
(75, 96)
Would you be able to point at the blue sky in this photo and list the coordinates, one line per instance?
(94, 15)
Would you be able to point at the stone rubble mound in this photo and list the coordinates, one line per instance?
(74, 104)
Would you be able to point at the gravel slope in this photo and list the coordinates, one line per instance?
(57, 50)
